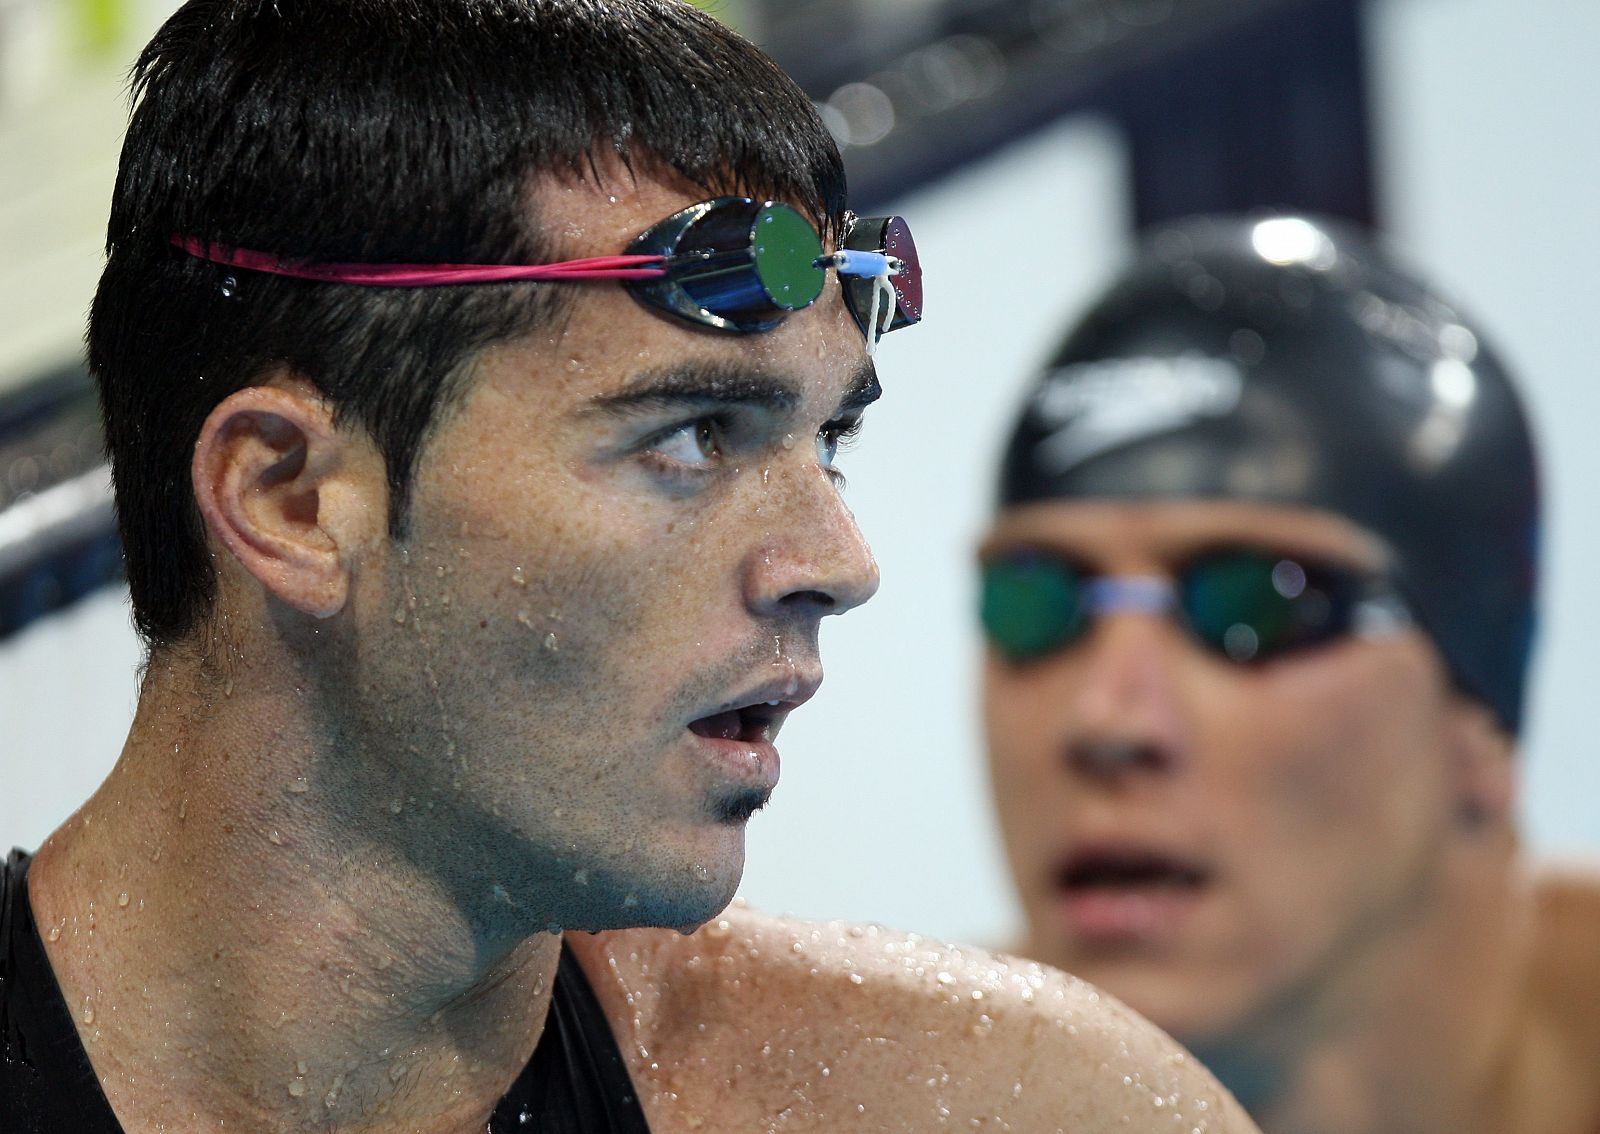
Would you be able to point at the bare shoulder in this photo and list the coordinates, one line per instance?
(755, 1022)
(1566, 977)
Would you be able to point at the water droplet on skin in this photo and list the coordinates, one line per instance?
(297, 1088)
(230, 287)
(553, 929)
(88, 1010)
(700, 872)
(122, 900)
(519, 577)
(395, 807)
(525, 616)
(227, 687)
(298, 786)
(718, 929)
(331, 1099)
(788, 441)
(581, 877)
(630, 901)
(400, 615)
(857, 978)
(55, 933)
(550, 642)
(183, 810)
(300, 1067)
(274, 838)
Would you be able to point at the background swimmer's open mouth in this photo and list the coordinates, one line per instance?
(1118, 897)
(1128, 871)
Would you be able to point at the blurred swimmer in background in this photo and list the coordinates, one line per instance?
(473, 374)
(1258, 599)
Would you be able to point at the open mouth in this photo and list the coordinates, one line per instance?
(1131, 872)
(1121, 897)
(750, 724)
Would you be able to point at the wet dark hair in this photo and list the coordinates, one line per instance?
(384, 130)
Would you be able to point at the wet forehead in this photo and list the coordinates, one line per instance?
(1148, 535)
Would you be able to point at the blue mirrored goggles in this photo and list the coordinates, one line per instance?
(742, 265)
(1245, 605)
(732, 263)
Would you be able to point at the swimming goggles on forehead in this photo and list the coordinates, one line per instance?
(732, 263)
(1241, 604)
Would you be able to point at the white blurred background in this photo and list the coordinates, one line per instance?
(1485, 156)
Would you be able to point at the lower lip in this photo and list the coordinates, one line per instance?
(752, 763)
(1108, 917)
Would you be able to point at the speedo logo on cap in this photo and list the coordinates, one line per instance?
(1088, 408)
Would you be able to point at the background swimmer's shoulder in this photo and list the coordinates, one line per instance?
(1565, 978)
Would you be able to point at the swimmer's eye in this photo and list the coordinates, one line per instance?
(693, 444)
(833, 437)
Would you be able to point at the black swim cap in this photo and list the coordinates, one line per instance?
(1288, 361)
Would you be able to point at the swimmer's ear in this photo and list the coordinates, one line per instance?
(1485, 756)
(287, 493)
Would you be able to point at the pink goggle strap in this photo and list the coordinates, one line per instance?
(427, 275)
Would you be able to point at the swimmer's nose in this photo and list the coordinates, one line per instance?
(817, 561)
(1125, 708)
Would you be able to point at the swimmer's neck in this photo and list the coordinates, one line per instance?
(1411, 1032)
(235, 943)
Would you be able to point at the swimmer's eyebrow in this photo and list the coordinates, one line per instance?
(699, 385)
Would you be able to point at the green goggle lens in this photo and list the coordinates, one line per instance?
(785, 249)
(1031, 605)
(1249, 605)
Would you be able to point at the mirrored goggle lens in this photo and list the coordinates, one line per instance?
(892, 237)
(1251, 606)
(733, 263)
(1030, 605)
(1246, 605)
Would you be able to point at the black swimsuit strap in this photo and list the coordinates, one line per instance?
(576, 1082)
(47, 1085)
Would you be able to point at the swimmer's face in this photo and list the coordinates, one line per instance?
(622, 544)
(1215, 843)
